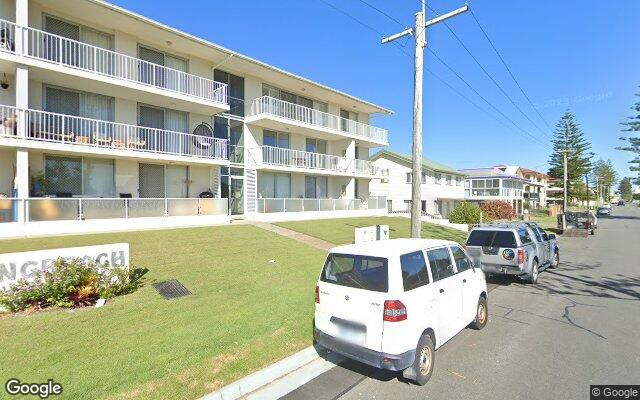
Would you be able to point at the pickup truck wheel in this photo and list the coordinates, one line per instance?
(482, 314)
(533, 278)
(425, 357)
(556, 259)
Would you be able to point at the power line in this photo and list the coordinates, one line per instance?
(464, 46)
(383, 13)
(484, 99)
(509, 70)
(371, 28)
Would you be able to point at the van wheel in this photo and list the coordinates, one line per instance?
(533, 278)
(425, 357)
(482, 314)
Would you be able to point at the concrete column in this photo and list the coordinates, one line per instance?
(22, 19)
(22, 97)
(21, 182)
(350, 192)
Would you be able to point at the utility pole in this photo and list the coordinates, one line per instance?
(419, 31)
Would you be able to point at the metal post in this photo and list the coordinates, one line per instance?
(566, 181)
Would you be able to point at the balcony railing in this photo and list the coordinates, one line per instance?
(294, 112)
(303, 159)
(67, 129)
(493, 192)
(45, 46)
(274, 205)
(66, 209)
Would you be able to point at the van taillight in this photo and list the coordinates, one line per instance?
(520, 256)
(317, 295)
(394, 311)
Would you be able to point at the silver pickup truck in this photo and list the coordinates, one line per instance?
(513, 248)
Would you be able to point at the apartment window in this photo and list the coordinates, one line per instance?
(438, 178)
(458, 180)
(78, 176)
(449, 180)
(70, 53)
(78, 103)
(158, 76)
(236, 91)
(407, 205)
(345, 121)
(271, 91)
(274, 185)
(315, 187)
(424, 178)
(316, 146)
(275, 139)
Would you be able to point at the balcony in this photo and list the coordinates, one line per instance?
(70, 133)
(97, 63)
(305, 161)
(272, 113)
(280, 205)
(85, 209)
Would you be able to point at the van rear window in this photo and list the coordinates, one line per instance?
(487, 238)
(362, 272)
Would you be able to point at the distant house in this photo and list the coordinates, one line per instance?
(442, 186)
(515, 184)
(493, 183)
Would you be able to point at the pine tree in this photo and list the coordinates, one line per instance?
(605, 176)
(633, 142)
(625, 190)
(568, 136)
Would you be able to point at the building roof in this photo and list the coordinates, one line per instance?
(405, 158)
(230, 53)
(391, 247)
(489, 172)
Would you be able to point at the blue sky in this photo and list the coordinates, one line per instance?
(577, 55)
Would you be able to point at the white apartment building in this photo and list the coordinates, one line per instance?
(111, 120)
(442, 186)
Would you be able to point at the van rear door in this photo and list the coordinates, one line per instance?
(352, 290)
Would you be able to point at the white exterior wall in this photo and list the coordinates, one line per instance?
(398, 190)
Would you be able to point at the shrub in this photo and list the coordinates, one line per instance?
(465, 213)
(498, 209)
(71, 284)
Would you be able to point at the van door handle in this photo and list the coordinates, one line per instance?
(441, 290)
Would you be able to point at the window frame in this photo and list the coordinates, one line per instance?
(426, 266)
(453, 264)
(458, 271)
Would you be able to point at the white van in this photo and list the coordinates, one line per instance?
(391, 303)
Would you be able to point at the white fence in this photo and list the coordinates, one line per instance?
(304, 159)
(68, 129)
(280, 108)
(41, 45)
(276, 205)
(65, 209)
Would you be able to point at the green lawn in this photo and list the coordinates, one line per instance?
(341, 231)
(243, 314)
(545, 221)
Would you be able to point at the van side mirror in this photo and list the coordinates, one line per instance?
(552, 236)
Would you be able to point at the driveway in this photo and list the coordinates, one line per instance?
(578, 326)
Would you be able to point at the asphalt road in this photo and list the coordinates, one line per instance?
(579, 326)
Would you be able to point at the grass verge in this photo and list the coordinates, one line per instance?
(244, 313)
(341, 231)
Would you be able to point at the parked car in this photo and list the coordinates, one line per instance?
(391, 303)
(604, 211)
(579, 220)
(513, 248)
(620, 202)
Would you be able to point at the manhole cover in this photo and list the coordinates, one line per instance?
(171, 289)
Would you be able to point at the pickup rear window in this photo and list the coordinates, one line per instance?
(488, 238)
(362, 272)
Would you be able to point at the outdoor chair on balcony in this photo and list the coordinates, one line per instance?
(103, 141)
(10, 126)
(6, 42)
(137, 143)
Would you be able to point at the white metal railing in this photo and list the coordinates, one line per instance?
(303, 159)
(72, 130)
(273, 205)
(283, 109)
(495, 192)
(41, 45)
(38, 209)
